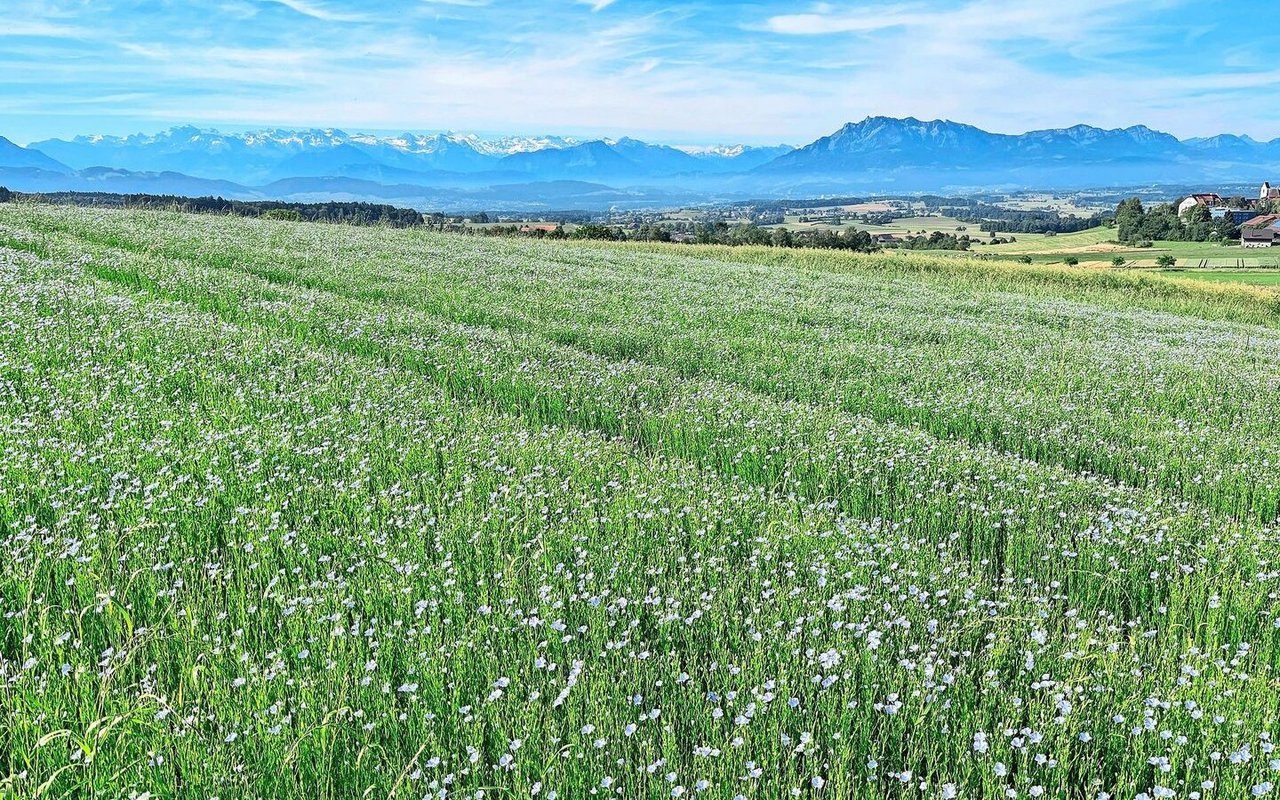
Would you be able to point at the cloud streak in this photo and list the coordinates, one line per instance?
(316, 11)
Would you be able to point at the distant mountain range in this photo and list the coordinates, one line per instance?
(879, 154)
(264, 156)
(927, 154)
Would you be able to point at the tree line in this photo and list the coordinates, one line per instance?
(994, 219)
(718, 232)
(722, 233)
(350, 213)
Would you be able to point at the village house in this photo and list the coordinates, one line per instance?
(1258, 237)
(1268, 193)
(1262, 231)
(1207, 200)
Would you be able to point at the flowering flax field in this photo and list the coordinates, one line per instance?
(301, 511)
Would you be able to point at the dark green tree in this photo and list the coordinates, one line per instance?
(1198, 214)
(712, 232)
(749, 234)
(595, 231)
(284, 214)
(652, 233)
(1129, 217)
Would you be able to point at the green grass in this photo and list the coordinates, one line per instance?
(1037, 244)
(1096, 246)
(313, 511)
(1252, 277)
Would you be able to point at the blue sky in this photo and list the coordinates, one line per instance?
(684, 73)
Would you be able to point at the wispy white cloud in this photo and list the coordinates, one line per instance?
(317, 12)
(822, 23)
(42, 29)
(702, 71)
(986, 20)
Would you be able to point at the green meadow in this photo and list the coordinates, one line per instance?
(1258, 277)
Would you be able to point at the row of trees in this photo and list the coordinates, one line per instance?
(751, 234)
(441, 219)
(1139, 226)
(718, 232)
(994, 219)
(339, 212)
(590, 230)
(1032, 223)
(515, 230)
(937, 241)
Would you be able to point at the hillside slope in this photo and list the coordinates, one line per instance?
(318, 511)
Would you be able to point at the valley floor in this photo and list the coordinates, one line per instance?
(310, 511)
